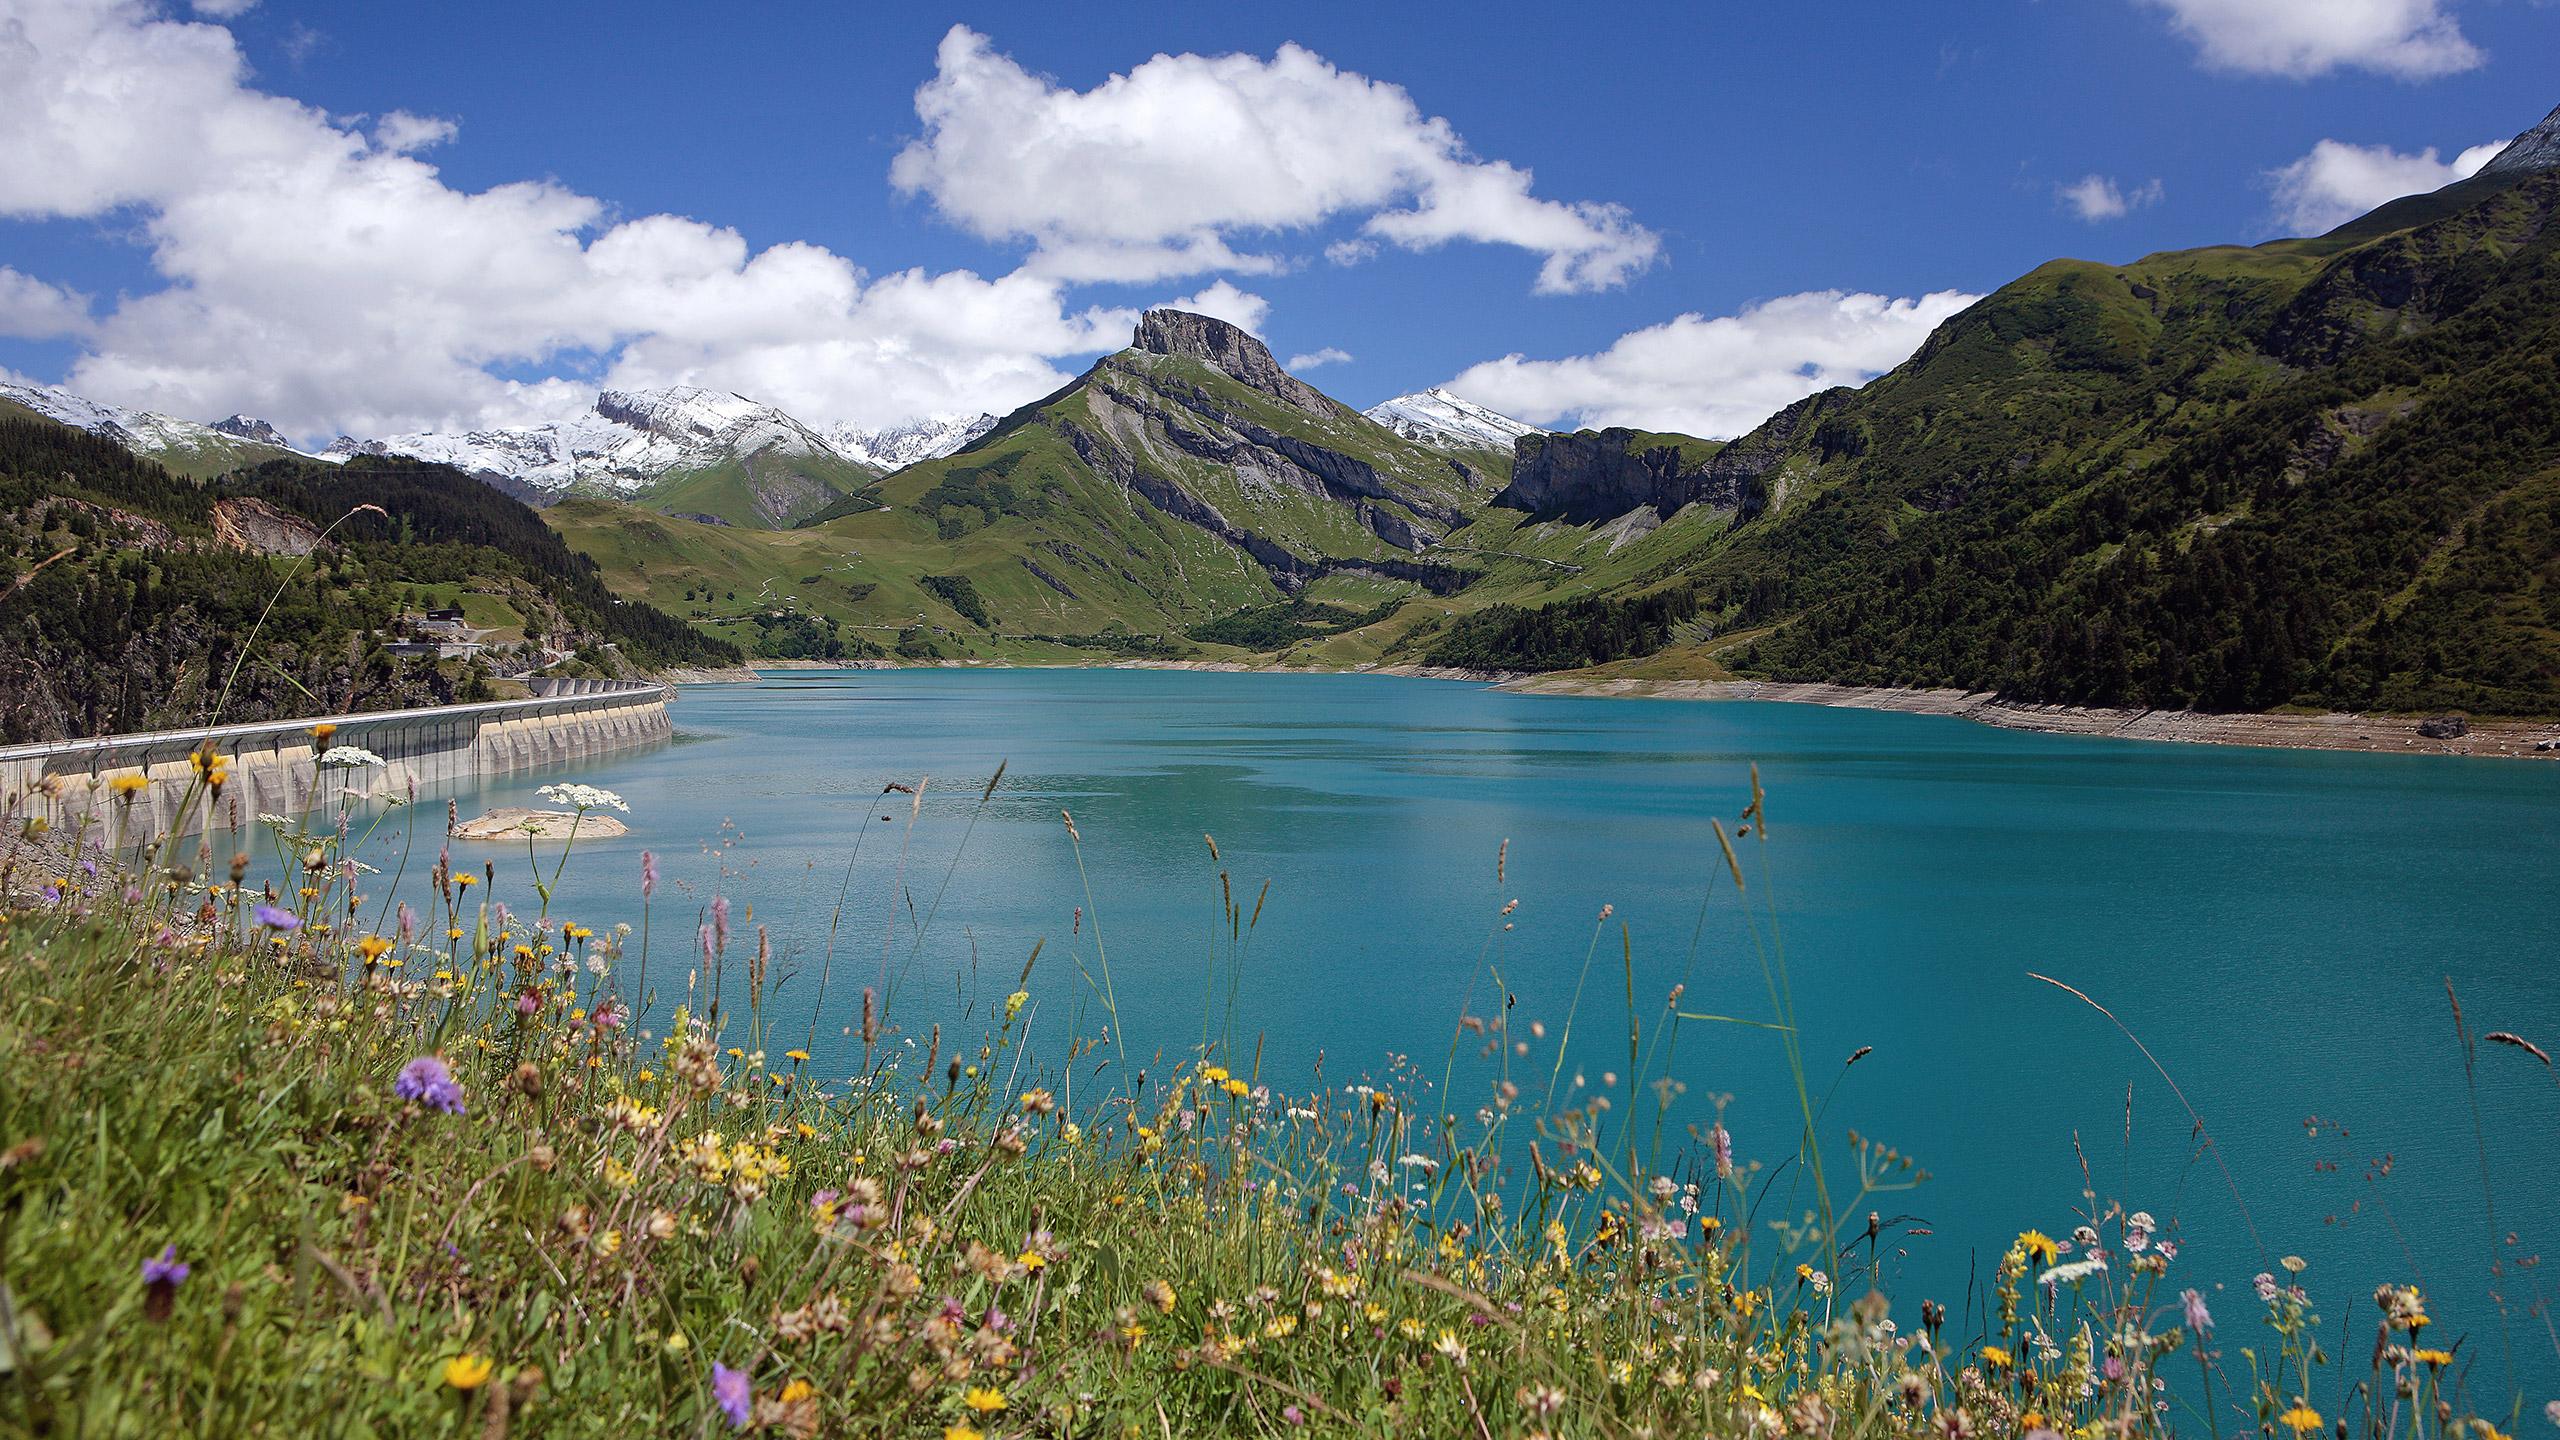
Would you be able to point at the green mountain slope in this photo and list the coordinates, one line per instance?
(769, 488)
(1178, 483)
(2309, 473)
(129, 595)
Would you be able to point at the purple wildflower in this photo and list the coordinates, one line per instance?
(408, 923)
(648, 875)
(276, 918)
(162, 1274)
(2199, 1319)
(734, 1392)
(427, 1081)
(166, 1268)
(720, 920)
(1724, 1151)
(1293, 1414)
(708, 955)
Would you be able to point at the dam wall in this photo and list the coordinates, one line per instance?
(274, 768)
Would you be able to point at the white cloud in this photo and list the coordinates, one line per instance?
(320, 277)
(1329, 355)
(402, 133)
(1350, 252)
(1240, 308)
(2337, 182)
(1717, 377)
(224, 9)
(1163, 171)
(30, 309)
(2409, 39)
(2098, 197)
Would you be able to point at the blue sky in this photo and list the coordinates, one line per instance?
(272, 245)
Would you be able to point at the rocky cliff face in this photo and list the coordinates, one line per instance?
(2535, 149)
(1179, 332)
(1594, 475)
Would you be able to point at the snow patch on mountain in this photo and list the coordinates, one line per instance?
(1444, 421)
(917, 441)
(627, 442)
(144, 432)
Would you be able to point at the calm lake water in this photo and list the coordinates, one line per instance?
(2277, 926)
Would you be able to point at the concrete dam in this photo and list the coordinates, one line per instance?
(274, 769)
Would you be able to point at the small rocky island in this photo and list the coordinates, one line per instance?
(515, 822)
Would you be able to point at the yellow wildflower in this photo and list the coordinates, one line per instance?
(1995, 1357)
(2300, 1419)
(468, 1372)
(985, 1399)
(962, 1432)
(129, 784)
(2039, 1247)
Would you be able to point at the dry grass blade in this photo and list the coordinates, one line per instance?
(2509, 1038)
(2198, 1120)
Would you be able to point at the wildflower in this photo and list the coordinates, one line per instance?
(427, 1081)
(1013, 1004)
(798, 1057)
(584, 797)
(1723, 1142)
(1031, 1260)
(1541, 1401)
(349, 757)
(1995, 1357)
(730, 1389)
(2199, 1319)
(985, 1399)
(2038, 1247)
(2266, 1287)
(2137, 1231)
(373, 947)
(129, 785)
(277, 918)
(2301, 1419)
(2437, 1358)
(468, 1372)
(162, 1274)
(1160, 1295)
(648, 874)
(2095, 1263)
(962, 1432)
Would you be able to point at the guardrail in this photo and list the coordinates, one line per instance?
(274, 767)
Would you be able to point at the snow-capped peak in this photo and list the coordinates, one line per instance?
(1444, 421)
(250, 428)
(145, 432)
(899, 446)
(628, 440)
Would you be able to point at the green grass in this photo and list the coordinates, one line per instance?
(957, 1233)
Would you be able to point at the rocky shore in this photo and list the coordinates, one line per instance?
(2393, 734)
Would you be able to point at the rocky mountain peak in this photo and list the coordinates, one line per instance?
(1228, 348)
(2535, 149)
(249, 428)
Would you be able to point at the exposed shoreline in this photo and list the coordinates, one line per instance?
(2375, 734)
(2372, 734)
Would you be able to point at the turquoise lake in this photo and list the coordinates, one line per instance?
(2277, 926)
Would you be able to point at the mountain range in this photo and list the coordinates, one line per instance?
(2319, 472)
(709, 453)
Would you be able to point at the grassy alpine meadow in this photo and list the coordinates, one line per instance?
(291, 1159)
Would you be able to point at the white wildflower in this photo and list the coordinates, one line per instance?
(583, 797)
(2075, 1272)
(348, 757)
